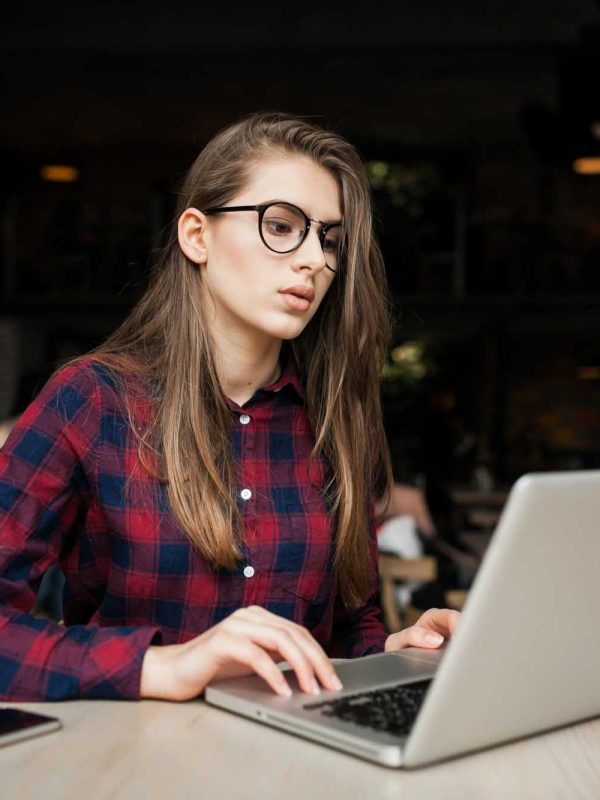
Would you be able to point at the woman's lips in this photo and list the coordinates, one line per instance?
(294, 302)
(299, 296)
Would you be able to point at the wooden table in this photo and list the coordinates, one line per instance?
(155, 749)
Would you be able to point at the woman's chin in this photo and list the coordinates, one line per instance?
(286, 329)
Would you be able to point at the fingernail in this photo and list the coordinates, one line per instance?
(336, 682)
(285, 689)
(434, 638)
(315, 686)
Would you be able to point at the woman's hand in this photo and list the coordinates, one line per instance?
(431, 630)
(251, 640)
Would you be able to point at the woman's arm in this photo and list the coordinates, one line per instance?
(45, 469)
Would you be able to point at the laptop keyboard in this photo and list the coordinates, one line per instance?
(392, 709)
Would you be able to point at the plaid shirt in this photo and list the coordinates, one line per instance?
(72, 491)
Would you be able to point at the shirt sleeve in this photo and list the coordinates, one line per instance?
(360, 631)
(46, 475)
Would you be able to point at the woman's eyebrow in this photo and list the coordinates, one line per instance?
(331, 221)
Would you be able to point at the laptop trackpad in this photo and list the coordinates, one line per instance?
(420, 653)
(363, 673)
(356, 674)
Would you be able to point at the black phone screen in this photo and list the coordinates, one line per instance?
(13, 720)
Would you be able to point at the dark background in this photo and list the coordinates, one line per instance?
(469, 116)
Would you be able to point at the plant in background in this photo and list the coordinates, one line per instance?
(409, 365)
(406, 185)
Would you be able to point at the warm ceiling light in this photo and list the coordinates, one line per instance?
(587, 166)
(589, 373)
(59, 173)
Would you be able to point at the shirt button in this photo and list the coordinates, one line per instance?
(248, 571)
(245, 494)
(244, 419)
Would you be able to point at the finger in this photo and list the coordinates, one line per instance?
(282, 640)
(319, 660)
(440, 620)
(228, 647)
(415, 636)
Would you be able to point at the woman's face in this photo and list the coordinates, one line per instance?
(245, 283)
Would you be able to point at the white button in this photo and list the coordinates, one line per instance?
(248, 571)
(244, 419)
(245, 494)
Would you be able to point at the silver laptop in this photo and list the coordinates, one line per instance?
(525, 658)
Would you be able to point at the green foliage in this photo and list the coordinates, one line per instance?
(403, 375)
(406, 186)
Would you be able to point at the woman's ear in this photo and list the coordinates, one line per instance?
(191, 232)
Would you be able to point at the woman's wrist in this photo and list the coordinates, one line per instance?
(155, 678)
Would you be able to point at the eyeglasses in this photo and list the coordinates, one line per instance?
(283, 227)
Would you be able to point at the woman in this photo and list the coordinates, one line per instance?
(204, 478)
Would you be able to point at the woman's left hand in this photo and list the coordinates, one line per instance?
(431, 630)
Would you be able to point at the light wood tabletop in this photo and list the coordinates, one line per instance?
(153, 749)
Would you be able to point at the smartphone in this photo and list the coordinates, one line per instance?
(16, 725)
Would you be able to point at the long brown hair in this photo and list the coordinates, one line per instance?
(166, 343)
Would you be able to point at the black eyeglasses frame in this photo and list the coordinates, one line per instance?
(262, 207)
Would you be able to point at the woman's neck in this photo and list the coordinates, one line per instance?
(244, 367)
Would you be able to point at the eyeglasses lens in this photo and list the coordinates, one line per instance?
(283, 227)
(331, 248)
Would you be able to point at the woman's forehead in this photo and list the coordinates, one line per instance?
(296, 179)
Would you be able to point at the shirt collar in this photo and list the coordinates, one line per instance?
(289, 374)
(289, 377)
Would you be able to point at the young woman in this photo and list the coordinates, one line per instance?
(205, 477)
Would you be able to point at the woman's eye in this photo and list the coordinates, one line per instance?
(331, 245)
(278, 227)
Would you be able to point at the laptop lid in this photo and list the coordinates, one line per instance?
(526, 655)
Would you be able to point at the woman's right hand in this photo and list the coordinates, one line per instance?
(251, 640)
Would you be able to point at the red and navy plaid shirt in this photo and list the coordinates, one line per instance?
(72, 492)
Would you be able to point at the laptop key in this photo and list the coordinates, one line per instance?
(392, 709)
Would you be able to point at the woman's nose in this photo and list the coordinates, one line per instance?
(310, 253)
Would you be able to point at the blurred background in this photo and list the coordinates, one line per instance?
(480, 126)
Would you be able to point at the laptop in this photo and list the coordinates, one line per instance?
(524, 659)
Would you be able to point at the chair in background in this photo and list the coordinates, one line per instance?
(394, 570)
